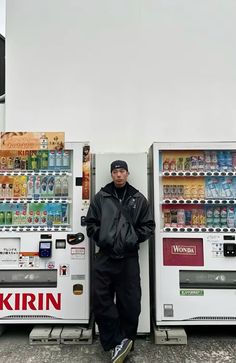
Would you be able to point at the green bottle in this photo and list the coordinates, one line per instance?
(9, 218)
(34, 161)
(2, 218)
(44, 160)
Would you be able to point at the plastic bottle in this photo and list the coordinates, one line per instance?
(230, 217)
(222, 161)
(166, 165)
(227, 188)
(57, 186)
(180, 164)
(44, 160)
(51, 160)
(34, 161)
(167, 217)
(64, 186)
(2, 217)
(30, 187)
(66, 159)
(58, 162)
(228, 160)
(180, 218)
(9, 218)
(37, 186)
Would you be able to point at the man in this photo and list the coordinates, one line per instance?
(118, 219)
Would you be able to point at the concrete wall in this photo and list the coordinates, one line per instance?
(122, 73)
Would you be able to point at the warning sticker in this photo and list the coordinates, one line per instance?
(64, 270)
(28, 259)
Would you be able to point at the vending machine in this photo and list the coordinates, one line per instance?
(137, 164)
(194, 196)
(44, 250)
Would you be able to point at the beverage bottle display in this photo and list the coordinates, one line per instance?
(166, 165)
(2, 217)
(51, 186)
(227, 191)
(44, 160)
(64, 186)
(24, 163)
(214, 161)
(223, 217)
(173, 217)
(44, 186)
(30, 187)
(43, 142)
(58, 162)
(3, 192)
(34, 161)
(180, 164)
(57, 186)
(167, 218)
(3, 163)
(201, 163)
(234, 161)
(180, 218)
(37, 186)
(50, 218)
(187, 164)
(64, 213)
(207, 156)
(212, 188)
(228, 161)
(195, 218)
(216, 217)
(173, 165)
(66, 159)
(222, 161)
(17, 163)
(51, 160)
(10, 163)
(230, 217)
(202, 218)
(194, 163)
(9, 218)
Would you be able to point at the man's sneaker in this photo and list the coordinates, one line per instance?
(121, 351)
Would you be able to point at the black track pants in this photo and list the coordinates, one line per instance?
(120, 278)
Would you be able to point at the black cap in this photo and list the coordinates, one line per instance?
(119, 164)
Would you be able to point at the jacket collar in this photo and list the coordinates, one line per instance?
(109, 189)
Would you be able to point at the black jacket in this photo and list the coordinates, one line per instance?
(119, 230)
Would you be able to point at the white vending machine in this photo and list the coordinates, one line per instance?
(137, 164)
(194, 194)
(44, 250)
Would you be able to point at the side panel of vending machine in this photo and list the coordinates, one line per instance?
(137, 164)
(44, 250)
(194, 194)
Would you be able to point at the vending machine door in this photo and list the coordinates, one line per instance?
(44, 249)
(194, 196)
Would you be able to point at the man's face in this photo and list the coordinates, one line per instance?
(119, 177)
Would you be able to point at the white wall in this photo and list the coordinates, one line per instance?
(122, 73)
(2, 116)
(2, 16)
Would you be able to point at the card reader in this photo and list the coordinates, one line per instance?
(45, 248)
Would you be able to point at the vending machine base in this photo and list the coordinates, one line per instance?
(61, 334)
(169, 335)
